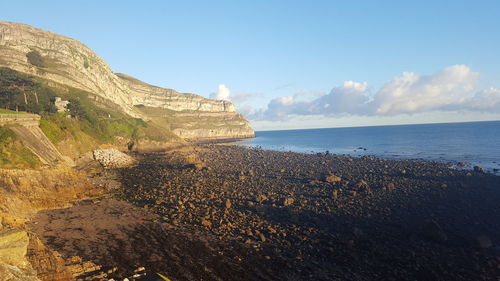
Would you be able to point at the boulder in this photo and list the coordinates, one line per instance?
(13, 247)
(478, 169)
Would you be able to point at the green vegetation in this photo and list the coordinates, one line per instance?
(13, 153)
(21, 92)
(86, 63)
(35, 58)
(89, 121)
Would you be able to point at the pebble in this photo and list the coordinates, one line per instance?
(228, 204)
(332, 179)
(261, 198)
(206, 223)
(335, 194)
(262, 237)
(288, 201)
(390, 186)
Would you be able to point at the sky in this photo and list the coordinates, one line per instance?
(299, 64)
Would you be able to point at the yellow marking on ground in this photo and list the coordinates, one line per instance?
(163, 277)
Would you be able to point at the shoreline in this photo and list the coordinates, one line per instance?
(270, 215)
(454, 164)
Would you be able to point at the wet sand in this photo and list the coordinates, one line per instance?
(231, 213)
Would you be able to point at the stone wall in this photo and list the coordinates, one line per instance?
(21, 119)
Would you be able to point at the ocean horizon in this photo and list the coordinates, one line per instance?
(468, 143)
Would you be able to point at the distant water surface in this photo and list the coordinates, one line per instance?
(474, 143)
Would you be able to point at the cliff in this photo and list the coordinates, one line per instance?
(69, 62)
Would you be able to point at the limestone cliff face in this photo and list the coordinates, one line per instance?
(148, 95)
(66, 61)
(69, 62)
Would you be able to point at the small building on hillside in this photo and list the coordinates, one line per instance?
(61, 105)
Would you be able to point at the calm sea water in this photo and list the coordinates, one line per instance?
(474, 143)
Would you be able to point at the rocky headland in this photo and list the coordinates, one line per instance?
(65, 118)
(67, 61)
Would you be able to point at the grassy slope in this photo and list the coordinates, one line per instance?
(13, 154)
(95, 121)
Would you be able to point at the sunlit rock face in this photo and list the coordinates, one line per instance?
(69, 62)
(148, 95)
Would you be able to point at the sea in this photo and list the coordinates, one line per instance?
(471, 143)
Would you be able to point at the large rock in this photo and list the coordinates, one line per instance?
(13, 247)
(13, 263)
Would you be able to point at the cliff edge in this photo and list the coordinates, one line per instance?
(69, 62)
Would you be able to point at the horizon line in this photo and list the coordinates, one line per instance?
(387, 125)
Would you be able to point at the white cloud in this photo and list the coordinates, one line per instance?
(348, 98)
(222, 93)
(486, 100)
(285, 100)
(450, 89)
(411, 93)
(355, 86)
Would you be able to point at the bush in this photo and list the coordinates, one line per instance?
(52, 130)
(86, 63)
(35, 59)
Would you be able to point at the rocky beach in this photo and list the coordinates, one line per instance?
(250, 168)
(225, 212)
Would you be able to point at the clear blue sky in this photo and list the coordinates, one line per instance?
(265, 50)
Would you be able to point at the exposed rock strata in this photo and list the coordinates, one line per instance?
(149, 95)
(65, 61)
(69, 62)
(23, 192)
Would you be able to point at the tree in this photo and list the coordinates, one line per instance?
(75, 109)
